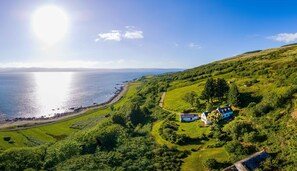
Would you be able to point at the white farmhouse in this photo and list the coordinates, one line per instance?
(204, 118)
(226, 112)
(185, 117)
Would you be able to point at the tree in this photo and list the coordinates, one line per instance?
(22, 158)
(130, 114)
(221, 88)
(209, 107)
(61, 151)
(209, 90)
(134, 114)
(118, 118)
(190, 97)
(233, 95)
(214, 117)
(236, 150)
(198, 105)
(237, 129)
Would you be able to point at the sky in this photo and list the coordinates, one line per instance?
(140, 34)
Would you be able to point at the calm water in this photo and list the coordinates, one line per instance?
(35, 94)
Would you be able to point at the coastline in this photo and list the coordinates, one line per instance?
(23, 123)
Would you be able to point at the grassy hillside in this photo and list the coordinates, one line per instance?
(139, 135)
(266, 79)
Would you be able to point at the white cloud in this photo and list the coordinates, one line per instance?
(193, 45)
(134, 34)
(284, 37)
(114, 35)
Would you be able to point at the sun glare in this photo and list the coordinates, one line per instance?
(50, 24)
(52, 91)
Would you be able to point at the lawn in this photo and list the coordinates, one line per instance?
(174, 98)
(60, 130)
(193, 129)
(195, 161)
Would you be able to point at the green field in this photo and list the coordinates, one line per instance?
(174, 98)
(60, 130)
(193, 129)
(195, 161)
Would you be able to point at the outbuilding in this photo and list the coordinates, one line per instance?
(185, 117)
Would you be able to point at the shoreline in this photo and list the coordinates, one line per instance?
(23, 123)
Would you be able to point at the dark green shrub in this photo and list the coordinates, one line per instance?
(211, 164)
(22, 158)
(7, 138)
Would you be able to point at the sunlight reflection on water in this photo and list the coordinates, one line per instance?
(52, 91)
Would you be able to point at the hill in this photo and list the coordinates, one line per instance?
(137, 134)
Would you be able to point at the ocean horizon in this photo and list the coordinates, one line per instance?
(44, 93)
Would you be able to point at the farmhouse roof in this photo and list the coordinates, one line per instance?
(186, 115)
(250, 163)
(224, 109)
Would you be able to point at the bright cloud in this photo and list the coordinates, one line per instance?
(284, 37)
(136, 34)
(116, 35)
(193, 45)
(132, 33)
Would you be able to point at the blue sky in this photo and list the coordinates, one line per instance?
(146, 33)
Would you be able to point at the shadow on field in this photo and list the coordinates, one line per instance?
(247, 97)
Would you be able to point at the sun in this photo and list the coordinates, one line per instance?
(50, 24)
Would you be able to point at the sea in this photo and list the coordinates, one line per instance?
(26, 94)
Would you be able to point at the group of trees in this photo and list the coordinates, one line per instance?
(214, 89)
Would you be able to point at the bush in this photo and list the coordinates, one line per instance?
(6, 138)
(237, 151)
(22, 158)
(61, 151)
(236, 129)
(169, 158)
(168, 132)
(211, 164)
(118, 118)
